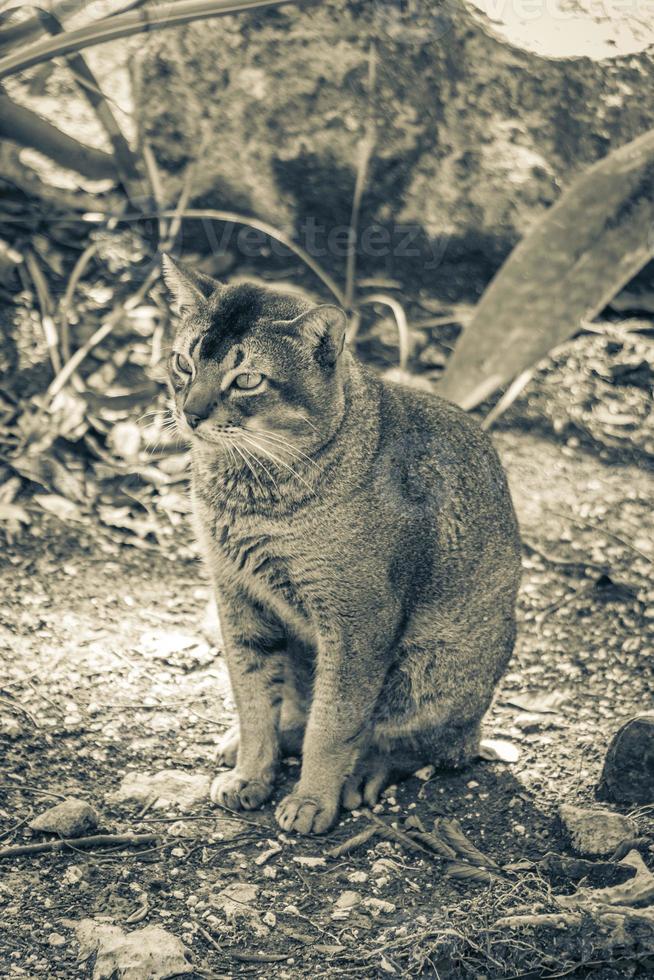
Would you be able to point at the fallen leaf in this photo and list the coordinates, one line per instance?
(14, 512)
(544, 702)
(65, 510)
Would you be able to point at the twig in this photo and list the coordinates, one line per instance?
(508, 398)
(67, 298)
(45, 306)
(80, 843)
(241, 957)
(607, 534)
(71, 366)
(404, 337)
(211, 214)
(578, 563)
(366, 149)
(352, 842)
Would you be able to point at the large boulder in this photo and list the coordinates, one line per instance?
(478, 126)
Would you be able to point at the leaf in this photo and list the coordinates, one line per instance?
(48, 472)
(565, 271)
(61, 507)
(466, 872)
(498, 750)
(14, 512)
(541, 702)
(450, 830)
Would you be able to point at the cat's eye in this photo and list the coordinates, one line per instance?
(248, 381)
(182, 364)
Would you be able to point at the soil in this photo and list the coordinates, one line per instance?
(107, 671)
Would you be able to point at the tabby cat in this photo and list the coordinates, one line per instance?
(362, 544)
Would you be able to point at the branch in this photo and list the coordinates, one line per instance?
(124, 25)
(80, 843)
(86, 81)
(32, 27)
(22, 126)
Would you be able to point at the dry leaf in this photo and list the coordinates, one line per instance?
(545, 702)
(14, 512)
(65, 510)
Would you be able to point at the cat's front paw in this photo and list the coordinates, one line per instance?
(306, 815)
(228, 748)
(237, 792)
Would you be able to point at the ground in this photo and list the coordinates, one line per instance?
(107, 671)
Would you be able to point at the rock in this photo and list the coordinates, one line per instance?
(628, 774)
(498, 750)
(595, 831)
(71, 818)
(358, 877)
(378, 906)
(347, 900)
(170, 787)
(237, 901)
(310, 862)
(56, 939)
(477, 133)
(150, 953)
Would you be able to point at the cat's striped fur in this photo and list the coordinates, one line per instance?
(362, 543)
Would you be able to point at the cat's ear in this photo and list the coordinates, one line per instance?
(188, 287)
(323, 328)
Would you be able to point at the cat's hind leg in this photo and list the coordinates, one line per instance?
(374, 773)
(446, 747)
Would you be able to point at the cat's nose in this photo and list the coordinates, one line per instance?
(194, 420)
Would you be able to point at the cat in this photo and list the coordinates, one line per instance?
(363, 546)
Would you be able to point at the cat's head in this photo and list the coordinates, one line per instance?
(251, 365)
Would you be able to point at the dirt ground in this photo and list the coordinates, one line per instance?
(107, 672)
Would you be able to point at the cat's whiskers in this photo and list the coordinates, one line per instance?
(282, 443)
(240, 451)
(264, 468)
(277, 460)
(309, 422)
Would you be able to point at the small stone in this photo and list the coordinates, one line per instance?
(347, 900)
(530, 721)
(236, 899)
(378, 906)
(595, 831)
(357, 877)
(169, 787)
(270, 919)
(151, 952)
(309, 862)
(71, 818)
(56, 939)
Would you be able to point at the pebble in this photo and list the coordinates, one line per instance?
(347, 900)
(56, 939)
(595, 831)
(357, 877)
(71, 818)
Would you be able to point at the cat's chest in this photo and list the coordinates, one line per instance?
(261, 560)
